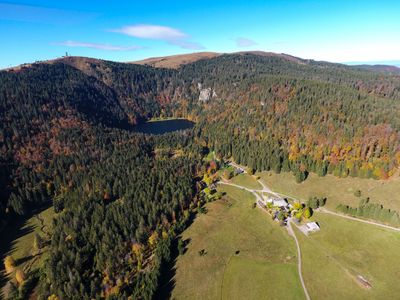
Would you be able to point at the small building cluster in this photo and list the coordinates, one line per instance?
(278, 207)
(281, 211)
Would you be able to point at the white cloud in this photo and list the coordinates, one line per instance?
(170, 35)
(154, 32)
(97, 46)
(244, 42)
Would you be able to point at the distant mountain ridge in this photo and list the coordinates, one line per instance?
(176, 61)
(380, 68)
(395, 63)
(179, 60)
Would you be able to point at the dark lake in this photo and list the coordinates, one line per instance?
(164, 126)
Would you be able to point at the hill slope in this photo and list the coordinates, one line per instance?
(317, 114)
(66, 140)
(175, 61)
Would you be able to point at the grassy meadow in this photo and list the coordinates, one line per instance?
(337, 190)
(40, 224)
(265, 268)
(248, 256)
(246, 180)
(342, 250)
(21, 242)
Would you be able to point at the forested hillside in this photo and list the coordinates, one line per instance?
(275, 113)
(66, 140)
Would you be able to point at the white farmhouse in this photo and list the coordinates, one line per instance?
(277, 202)
(312, 226)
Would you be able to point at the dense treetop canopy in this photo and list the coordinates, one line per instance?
(66, 140)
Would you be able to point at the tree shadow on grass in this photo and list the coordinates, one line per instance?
(167, 278)
(16, 228)
(23, 259)
(166, 282)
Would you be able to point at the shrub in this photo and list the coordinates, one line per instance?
(307, 212)
(181, 247)
(315, 202)
(227, 174)
(250, 171)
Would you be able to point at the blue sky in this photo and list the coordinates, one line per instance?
(338, 31)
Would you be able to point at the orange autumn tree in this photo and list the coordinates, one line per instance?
(20, 276)
(9, 264)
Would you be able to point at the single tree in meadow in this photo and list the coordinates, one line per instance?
(313, 202)
(251, 171)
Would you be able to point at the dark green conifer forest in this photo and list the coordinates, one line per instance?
(67, 139)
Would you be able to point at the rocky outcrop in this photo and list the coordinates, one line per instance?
(206, 93)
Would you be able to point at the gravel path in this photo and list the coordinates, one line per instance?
(291, 233)
(324, 210)
(289, 227)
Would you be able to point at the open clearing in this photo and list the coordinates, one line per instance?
(265, 268)
(345, 260)
(22, 246)
(246, 180)
(337, 190)
(344, 249)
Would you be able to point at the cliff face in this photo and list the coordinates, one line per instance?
(206, 93)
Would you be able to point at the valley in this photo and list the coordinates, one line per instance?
(265, 263)
(133, 161)
(343, 251)
(217, 150)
